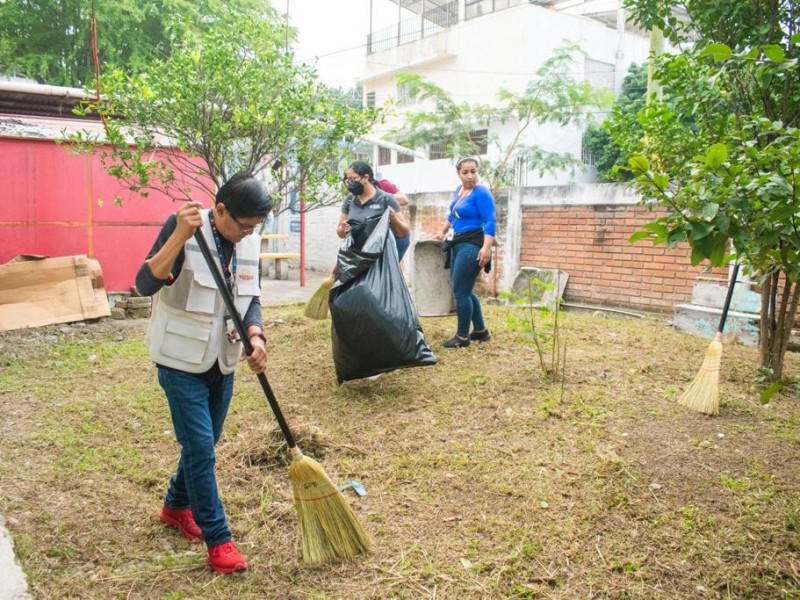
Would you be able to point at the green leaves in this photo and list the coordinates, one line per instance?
(716, 155)
(717, 52)
(639, 164)
(774, 53)
(229, 98)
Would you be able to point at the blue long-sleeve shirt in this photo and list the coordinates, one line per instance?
(148, 284)
(474, 211)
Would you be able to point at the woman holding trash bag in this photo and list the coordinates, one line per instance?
(472, 217)
(195, 346)
(367, 200)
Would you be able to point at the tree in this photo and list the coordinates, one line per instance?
(598, 139)
(225, 100)
(722, 151)
(50, 40)
(551, 97)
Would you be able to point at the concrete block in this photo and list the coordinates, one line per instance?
(138, 313)
(432, 291)
(703, 321)
(281, 268)
(13, 584)
(712, 294)
(531, 276)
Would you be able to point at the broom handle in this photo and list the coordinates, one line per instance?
(248, 347)
(728, 297)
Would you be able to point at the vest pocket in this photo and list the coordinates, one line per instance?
(186, 341)
(202, 295)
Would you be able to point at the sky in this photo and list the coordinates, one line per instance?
(333, 34)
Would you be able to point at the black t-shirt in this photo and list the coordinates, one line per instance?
(374, 207)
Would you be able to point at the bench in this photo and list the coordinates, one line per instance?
(278, 257)
(280, 261)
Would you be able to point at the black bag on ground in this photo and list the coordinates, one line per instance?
(374, 325)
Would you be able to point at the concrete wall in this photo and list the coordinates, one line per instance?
(322, 243)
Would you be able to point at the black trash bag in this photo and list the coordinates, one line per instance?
(374, 325)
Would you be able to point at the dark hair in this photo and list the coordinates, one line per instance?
(362, 168)
(244, 196)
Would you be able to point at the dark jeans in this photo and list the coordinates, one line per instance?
(464, 271)
(198, 404)
(402, 246)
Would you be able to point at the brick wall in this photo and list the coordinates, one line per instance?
(590, 243)
(583, 230)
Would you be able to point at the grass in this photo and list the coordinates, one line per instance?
(484, 479)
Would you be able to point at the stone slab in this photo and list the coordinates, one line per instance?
(531, 282)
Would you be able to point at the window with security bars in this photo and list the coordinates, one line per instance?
(384, 156)
(402, 157)
(437, 150)
(480, 137)
(587, 156)
(370, 99)
(403, 95)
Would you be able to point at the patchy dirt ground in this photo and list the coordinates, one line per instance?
(484, 479)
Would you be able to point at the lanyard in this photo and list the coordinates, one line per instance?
(228, 273)
(460, 199)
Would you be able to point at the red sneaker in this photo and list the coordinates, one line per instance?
(225, 558)
(182, 519)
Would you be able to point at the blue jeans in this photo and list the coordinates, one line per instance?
(402, 244)
(198, 404)
(464, 271)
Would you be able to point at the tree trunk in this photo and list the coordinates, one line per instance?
(778, 309)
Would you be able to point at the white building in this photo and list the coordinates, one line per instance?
(472, 48)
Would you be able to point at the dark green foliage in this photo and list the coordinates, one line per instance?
(598, 138)
(50, 40)
(722, 150)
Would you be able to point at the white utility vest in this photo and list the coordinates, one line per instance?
(187, 326)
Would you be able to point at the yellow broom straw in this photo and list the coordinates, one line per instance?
(702, 394)
(317, 305)
(329, 529)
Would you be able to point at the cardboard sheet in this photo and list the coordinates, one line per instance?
(36, 291)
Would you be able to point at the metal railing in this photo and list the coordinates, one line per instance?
(429, 22)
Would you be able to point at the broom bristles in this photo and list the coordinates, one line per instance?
(329, 529)
(702, 394)
(317, 305)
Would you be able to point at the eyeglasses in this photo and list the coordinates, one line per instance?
(347, 179)
(242, 227)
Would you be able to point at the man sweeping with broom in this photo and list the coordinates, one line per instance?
(196, 348)
(197, 336)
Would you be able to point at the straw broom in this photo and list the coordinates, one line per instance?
(317, 305)
(329, 529)
(702, 394)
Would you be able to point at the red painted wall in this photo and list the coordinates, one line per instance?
(59, 204)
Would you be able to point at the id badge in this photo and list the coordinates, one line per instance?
(230, 330)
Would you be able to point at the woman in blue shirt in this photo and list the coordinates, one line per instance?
(472, 217)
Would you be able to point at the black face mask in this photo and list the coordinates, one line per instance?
(354, 187)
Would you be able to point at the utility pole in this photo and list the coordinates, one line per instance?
(656, 49)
